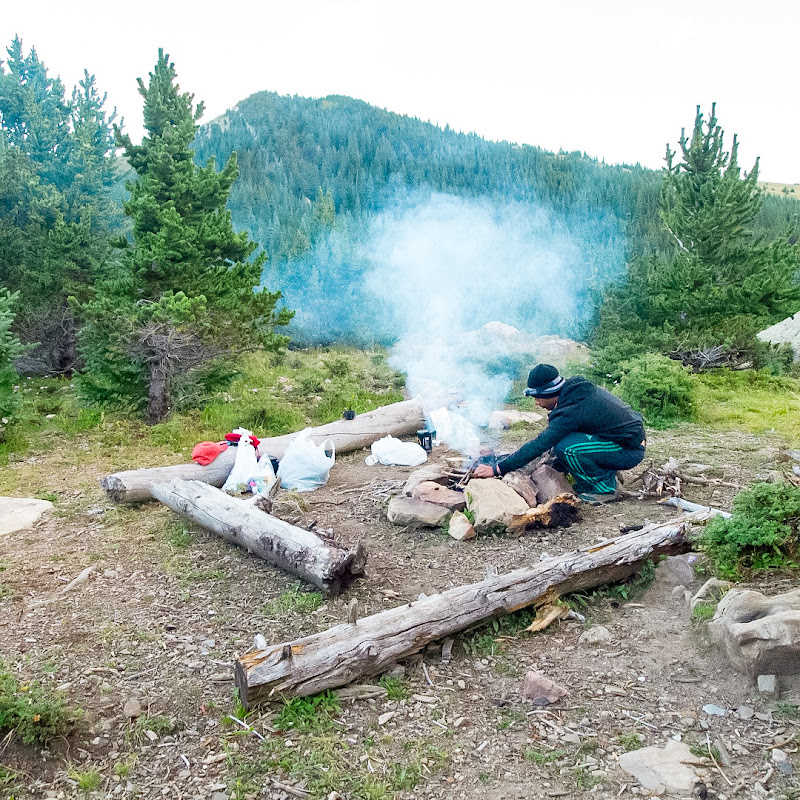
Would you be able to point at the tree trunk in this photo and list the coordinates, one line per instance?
(369, 646)
(397, 419)
(158, 391)
(298, 551)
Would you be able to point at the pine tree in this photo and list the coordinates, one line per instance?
(184, 296)
(719, 283)
(10, 348)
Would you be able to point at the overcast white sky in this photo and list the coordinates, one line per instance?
(614, 78)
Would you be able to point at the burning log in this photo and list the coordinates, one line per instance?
(397, 419)
(557, 505)
(293, 549)
(368, 646)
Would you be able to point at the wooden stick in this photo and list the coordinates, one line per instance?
(344, 653)
(686, 505)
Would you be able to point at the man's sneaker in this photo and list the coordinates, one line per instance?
(596, 498)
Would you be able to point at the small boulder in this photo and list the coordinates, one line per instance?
(662, 769)
(408, 511)
(500, 420)
(597, 634)
(768, 685)
(460, 527)
(19, 513)
(132, 708)
(760, 634)
(494, 504)
(430, 472)
(541, 689)
(430, 492)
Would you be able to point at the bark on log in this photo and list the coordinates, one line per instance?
(397, 419)
(293, 549)
(346, 652)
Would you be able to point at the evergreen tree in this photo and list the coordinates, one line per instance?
(10, 349)
(184, 296)
(56, 212)
(719, 283)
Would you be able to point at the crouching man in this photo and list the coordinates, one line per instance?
(592, 434)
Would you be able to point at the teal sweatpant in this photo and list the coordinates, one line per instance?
(593, 462)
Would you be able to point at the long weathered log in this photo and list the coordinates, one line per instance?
(346, 652)
(293, 549)
(397, 419)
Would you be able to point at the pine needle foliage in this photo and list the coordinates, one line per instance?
(183, 296)
(10, 348)
(659, 388)
(762, 533)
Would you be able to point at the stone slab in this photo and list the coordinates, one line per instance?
(19, 513)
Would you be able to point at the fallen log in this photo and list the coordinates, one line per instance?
(557, 506)
(286, 546)
(349, 651)
(397, 419)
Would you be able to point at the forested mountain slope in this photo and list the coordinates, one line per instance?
(294, 150)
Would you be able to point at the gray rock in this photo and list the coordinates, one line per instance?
(430, 472)
(760, 634)
(132, 708)
(661, 769)
(19, 513)
(745, 712)
(541, 689)
(407, 511)
(786, 331)
(710, 592)
(494, 503)
(460, 527)
(768, 685)
(430, 492)
(675, 571)
(597, 634)
(715, 711)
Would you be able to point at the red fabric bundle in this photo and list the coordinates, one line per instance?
(205, 452)
(234, 438)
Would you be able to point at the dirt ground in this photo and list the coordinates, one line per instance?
(169, 607)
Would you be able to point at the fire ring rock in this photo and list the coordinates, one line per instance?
(408, 511)
(494, 504)
(760, 634)
(431, 492)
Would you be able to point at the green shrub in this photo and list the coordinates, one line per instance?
(658, 387)
(30, 711)
(761, 534)
(10, 348)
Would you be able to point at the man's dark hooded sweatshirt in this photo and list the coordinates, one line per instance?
(588, 409)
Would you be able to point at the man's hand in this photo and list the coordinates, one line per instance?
(483, 471)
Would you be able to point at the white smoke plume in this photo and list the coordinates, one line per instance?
(428, 272)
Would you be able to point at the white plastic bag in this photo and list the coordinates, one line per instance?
(305, 466)
(262, 480)
(391, 451)
(245, 465)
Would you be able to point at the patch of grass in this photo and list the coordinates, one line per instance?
(703, 612)
(396, 688)
(87, 780)
(542, 757)
(177, 535)
(749, 400)
(509, 718)
(314, 713)
(124, 767)
(470, 515)
(629, 741)
(294, 601)
(10, 779)
(31, 711)
(788, 710)
(160, 724)
(585, 780)
(701, 750)
(620, 592)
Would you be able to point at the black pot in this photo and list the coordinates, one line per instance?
(349, 414)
